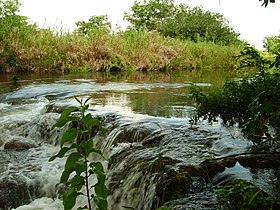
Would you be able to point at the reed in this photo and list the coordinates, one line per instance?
(42, 50)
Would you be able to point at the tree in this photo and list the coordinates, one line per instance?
(9, 20)
(197, 24)
(181, 21)
(8, 8)
(151, 14)
(272, 44)
(11, 26)
(95, 23)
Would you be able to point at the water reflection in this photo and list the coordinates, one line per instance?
(153, 93)
(157, 102)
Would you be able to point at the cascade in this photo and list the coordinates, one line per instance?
(149, 149)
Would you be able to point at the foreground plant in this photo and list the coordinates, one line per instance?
(78, 141)
(241, 194)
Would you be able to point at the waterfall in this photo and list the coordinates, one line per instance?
(149, 140)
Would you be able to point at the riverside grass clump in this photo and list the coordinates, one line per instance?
(26, 48)
(40, 50)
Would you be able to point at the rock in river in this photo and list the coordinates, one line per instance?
(18, 145)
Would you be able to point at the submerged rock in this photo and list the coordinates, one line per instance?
(18, 145)
(53, 108)
(172, 184)
(14, 193)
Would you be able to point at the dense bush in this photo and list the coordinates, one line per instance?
(12, 27)
(253, 102)
(94, 24)
(181, 21)
(272, 44)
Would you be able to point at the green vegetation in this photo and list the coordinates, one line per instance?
(252, 102)
(272, 44)
(240, 194)
(78, 140)
(181, 21)
(94, 24)
(93, 46)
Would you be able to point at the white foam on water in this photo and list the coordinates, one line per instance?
(43, 203)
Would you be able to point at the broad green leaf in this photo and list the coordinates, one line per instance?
(65, 117)
(65, 175)
(101, 203)
(100, 187)
(69, 198)
(60, 154)
(69, 135)
(77, 182)
(80, 167)
(71, 160)
(89, 121)
(70, 166)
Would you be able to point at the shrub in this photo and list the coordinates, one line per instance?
(253, 102)
(181, 21)
(95, 23)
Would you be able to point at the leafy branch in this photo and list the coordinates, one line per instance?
(78, 140)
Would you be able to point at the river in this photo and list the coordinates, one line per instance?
(147, 116)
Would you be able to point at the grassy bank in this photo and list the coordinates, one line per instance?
(93, 46)
(40, 50)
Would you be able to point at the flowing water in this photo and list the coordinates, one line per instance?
(147, 118)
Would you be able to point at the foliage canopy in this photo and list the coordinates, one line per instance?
(181, 21)
(272, 44)
(95, 23)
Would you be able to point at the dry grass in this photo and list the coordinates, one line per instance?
(43, 51)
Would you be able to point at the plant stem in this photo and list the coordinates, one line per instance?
(87, 185)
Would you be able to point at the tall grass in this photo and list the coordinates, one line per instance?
(40, 50)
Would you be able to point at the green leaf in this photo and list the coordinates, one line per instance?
(101, 203)
(79, 101)
(87, 146)
(70, 166)
(100, 187)
(60, 154)
(69, 198)
(77, 182)
(65, 175)
(72, 159)
(103, 130)
(84, 108)
(65, 117)
(89, 121)
(80, 167)
(87, 100)
(69, 135)
(162, 208)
